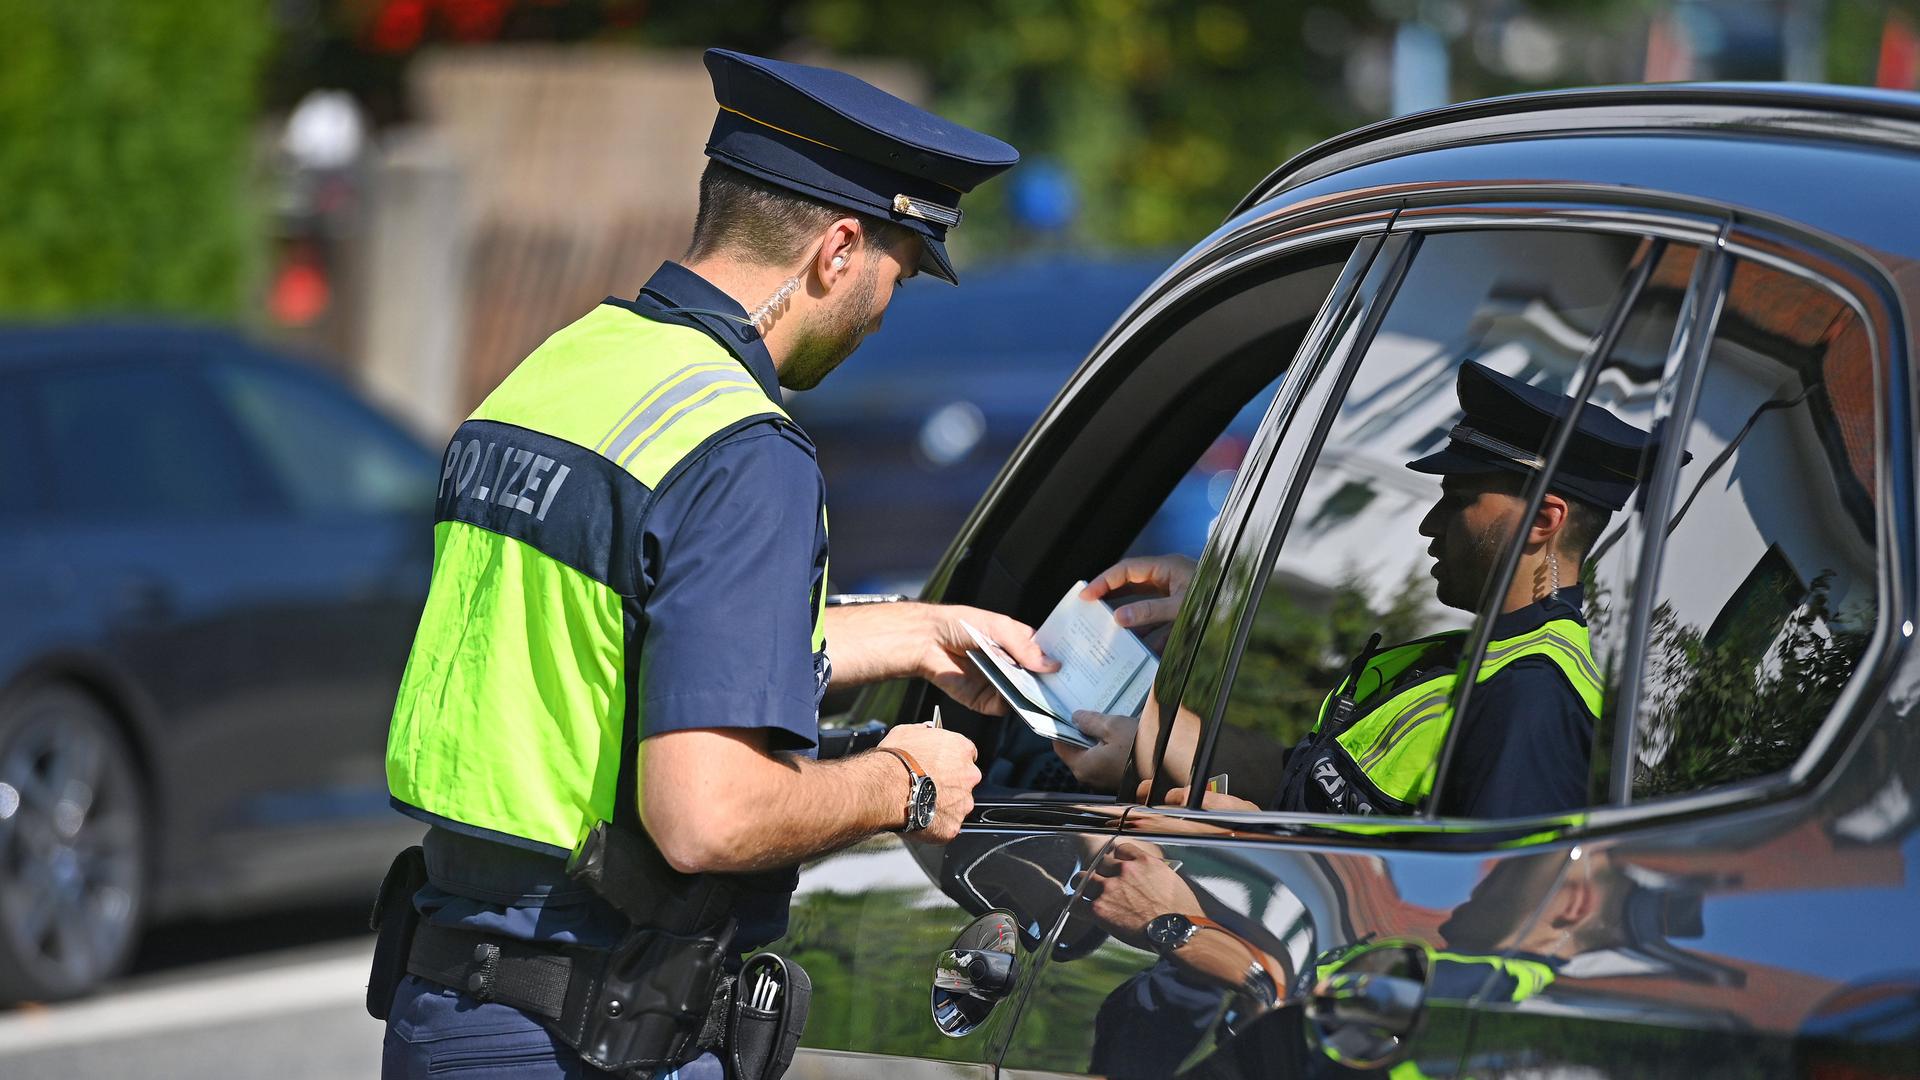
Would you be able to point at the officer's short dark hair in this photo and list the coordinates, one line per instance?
(1583, 526)
(747, 217)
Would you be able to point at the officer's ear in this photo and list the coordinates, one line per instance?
(838, 251)
(1548, 521)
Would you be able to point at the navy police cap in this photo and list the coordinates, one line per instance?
(827, 135)
(1506, 427)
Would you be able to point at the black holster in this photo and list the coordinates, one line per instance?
(394, 919)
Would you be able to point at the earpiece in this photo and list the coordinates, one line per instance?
(839, 260)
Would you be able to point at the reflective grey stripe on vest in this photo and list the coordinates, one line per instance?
(1434, 704)
(1563, 644)
(679, 396)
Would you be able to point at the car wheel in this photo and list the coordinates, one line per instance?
(72, 846)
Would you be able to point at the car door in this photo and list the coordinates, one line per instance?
(1745, 904)
(1324, 945)
(352, 554)
(156, 553)
(888, 929)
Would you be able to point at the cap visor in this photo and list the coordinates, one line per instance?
(1451, 462)
(933, 260)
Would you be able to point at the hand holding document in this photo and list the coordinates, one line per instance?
(1103, 668)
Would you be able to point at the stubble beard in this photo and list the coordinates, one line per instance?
(1476, 565)
(823, 346)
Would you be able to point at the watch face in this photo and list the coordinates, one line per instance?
(1169, 931)
(925, 797)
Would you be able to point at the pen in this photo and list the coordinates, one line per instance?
(938, 724)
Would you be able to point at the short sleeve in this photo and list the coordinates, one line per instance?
(733, 549)
(1524, 747)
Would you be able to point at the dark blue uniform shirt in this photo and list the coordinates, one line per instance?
(1526, 737)
(734, 557)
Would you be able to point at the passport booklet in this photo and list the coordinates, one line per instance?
(1103, 668)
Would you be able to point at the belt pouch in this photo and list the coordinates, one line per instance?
(394, 918)
(770, 1000)
(648, 1005)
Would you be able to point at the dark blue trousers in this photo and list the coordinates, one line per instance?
(435, 1031)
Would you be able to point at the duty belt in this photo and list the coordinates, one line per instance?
(539, 980)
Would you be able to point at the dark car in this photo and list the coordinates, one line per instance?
(1727, 267)
(211, 563)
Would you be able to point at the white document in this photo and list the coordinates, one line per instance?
(1103, 668)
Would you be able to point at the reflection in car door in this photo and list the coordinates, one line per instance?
(874, 925)
(1237, 946)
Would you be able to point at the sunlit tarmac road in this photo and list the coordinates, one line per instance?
(282, 999)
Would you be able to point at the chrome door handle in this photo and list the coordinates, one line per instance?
(980, 973)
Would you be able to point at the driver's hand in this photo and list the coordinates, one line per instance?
(1100, 767)
(1169, 575)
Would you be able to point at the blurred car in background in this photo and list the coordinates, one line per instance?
(211, 564)
(915, 425)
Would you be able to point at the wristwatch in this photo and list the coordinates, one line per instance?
(1172, 930)
(1168, 932)
(921, 795)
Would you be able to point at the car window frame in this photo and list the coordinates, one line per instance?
(1726, 237)
(1244, 253)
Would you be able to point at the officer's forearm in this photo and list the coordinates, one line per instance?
(717, 801)
(873, 642)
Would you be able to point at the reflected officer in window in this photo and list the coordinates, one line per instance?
(1528, 730)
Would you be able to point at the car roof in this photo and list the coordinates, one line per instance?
(1813, 111)
(30, 344)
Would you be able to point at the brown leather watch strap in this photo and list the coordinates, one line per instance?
(1261, 958)
(913, 767)
(914, 775)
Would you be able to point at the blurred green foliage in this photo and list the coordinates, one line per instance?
(1165, 114)
(128, 127)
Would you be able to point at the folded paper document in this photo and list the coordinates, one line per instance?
(1103, 668)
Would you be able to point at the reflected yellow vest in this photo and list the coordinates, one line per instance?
(1384, 760)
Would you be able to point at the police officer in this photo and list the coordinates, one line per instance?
(1525, 741)
(627, 620)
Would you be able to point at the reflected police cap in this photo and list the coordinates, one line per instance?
(1506, 427)
(832, 137)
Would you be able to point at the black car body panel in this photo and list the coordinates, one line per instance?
(1761, 927)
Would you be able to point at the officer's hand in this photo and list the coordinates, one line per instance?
(1101, 766)
(1169, 575)
(947, 757)
(945, 662)
(1131, 886)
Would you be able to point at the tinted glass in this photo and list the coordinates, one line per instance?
(1371, 549)
(327, 451)
(1172, 437)
(1767, 588)
(150, 441)
(1627, 388)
